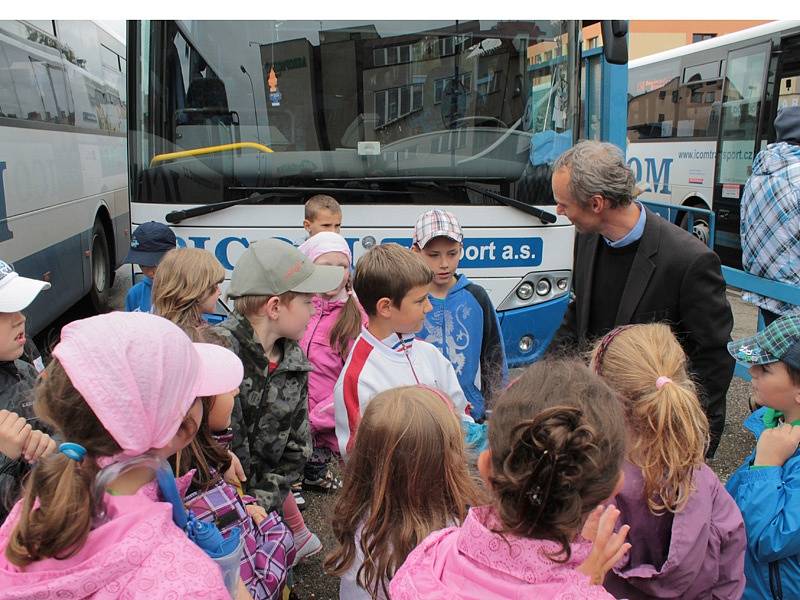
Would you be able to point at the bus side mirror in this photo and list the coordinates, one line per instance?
(615, 41)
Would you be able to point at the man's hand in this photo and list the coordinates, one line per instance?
(607, 547)
(776, 445)
(14, 433)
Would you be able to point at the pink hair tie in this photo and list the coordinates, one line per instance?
(662, 381)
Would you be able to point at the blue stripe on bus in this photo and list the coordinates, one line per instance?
(69, 274)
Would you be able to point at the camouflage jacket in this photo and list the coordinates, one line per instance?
(271, 436)
(16, 394)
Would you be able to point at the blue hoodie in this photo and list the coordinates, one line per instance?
(769, 498)
(138, 297)
(464, 327)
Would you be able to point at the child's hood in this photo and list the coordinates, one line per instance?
(139, 536)
(693, 561)
(473, 562)
(755, 422)
(462, 281)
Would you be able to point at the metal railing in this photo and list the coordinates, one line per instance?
(734, 278)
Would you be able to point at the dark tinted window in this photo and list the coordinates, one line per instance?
(652, 101)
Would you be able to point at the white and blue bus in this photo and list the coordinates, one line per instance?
(234, 124)
(64, 213)
(698, 115)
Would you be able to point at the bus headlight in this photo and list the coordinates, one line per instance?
(525, 344)
(543, 287)
(537, 287)
(525, 291)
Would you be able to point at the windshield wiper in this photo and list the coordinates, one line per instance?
(176, 216)
(542, 215)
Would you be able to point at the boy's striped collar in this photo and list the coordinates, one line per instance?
(399, 342)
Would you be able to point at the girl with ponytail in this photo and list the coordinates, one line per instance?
(687, 535)
(329, 336)
(122, 388)
(556, 448)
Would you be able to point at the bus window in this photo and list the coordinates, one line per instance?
(652, 100)
(699, 104)
(22, 82)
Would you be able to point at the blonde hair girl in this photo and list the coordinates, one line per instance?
(686, 532)
(186, 285)
(407, 476)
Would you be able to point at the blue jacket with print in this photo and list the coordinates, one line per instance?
(464, 327)
(769, 498)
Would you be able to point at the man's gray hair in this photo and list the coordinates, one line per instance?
(598, 168)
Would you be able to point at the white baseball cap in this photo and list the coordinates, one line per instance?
(16, 292)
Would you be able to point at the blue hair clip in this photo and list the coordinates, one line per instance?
(71, 450)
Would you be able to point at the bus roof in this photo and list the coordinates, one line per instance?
(722, 40)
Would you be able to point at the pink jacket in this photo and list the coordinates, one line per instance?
(472, 562)
(327, 366)
(138, 554)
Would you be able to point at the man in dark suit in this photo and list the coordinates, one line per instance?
(632, 266)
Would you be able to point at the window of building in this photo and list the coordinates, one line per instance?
(440, 85)
(395, 103)
(699, 37)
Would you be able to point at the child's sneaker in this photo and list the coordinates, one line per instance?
(299, 500)
(326, 483)
(307, 548)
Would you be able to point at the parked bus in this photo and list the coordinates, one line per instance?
(698, 115)
(64, 213)
(234, 124)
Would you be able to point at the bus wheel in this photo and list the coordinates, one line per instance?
(701, 230)
(100, 290)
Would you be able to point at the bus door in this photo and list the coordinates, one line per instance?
(738, 142)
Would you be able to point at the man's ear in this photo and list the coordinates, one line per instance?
(597, 203)
(384, 307)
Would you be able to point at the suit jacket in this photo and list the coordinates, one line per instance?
(676, 279)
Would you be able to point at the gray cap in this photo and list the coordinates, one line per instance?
(273, 267)
(787, 124)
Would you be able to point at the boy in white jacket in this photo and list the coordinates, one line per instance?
(392, 285)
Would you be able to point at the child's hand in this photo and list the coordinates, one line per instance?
(776, 445)
(256, 512)
(14, 433)
(39, 444)
(607, 547)
(235, 473)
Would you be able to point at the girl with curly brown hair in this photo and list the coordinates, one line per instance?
(556, 445)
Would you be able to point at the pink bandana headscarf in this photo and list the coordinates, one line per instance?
(324, 242)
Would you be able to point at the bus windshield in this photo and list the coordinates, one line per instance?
(224, 109)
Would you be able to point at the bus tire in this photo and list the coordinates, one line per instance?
(100, 267)
(701, 229)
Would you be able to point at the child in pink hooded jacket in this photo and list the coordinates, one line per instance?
(330, 334)
(120, 385)
(556, 447)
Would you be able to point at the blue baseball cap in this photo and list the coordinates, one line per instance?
(149, 243)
